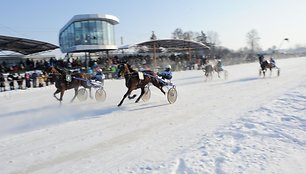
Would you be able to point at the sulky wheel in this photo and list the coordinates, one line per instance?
(172, 95)
(100, 95)
(82, 94)
(147, 94)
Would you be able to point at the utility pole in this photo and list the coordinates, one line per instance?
(153, 38)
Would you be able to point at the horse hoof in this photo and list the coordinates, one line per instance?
(132, 97)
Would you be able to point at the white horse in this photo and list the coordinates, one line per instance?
(214, 65)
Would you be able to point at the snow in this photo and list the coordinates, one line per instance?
(245, 124)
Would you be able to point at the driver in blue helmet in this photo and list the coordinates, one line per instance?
(166, 74)
(99, 75)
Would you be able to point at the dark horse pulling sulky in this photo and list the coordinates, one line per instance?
(65, 80)
(135, 80)
(265, 64)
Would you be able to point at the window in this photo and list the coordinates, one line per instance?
(93, 33)
(77, 33)
(99, 33)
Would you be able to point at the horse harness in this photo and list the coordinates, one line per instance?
(129, 75)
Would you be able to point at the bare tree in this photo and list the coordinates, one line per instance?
(188, 35)
(201, 37)
(178, 34)
(253, 41)
(153, 36)
(213, 38)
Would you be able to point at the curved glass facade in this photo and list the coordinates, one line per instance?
(86, 34)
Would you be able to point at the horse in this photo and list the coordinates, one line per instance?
(208, 69)
(265, 64)
(65, 80)
(134, 80)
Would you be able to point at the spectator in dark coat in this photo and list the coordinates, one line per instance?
(19, 80)
(28, 80)
(10, 79)
(34, 79)
(2, 82)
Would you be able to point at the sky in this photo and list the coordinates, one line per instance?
(274, 20)
(245, 124)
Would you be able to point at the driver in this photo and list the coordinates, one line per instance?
(166, 74)
(219, 65)
(99, 75)
(272, 61)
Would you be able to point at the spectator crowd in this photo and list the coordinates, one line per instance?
(31, 74)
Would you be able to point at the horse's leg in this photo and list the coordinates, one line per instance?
(159, 86)
(56, 92)
(210, 74)
(124, 96)
(141, 94)
(161, 89)
(90, 95)
(75, 93)
(62, 94)
(132, 97)
(264, 72)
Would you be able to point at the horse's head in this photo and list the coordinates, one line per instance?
(123, 69)
(261, 58)
(50, 69)
(54, 70)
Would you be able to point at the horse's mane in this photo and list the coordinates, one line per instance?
(64, 70)
(61, 71)
(130, 68)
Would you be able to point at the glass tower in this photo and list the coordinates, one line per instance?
(90, 32)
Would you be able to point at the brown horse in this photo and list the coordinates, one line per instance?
(208, 69)
(134, 80)
(65, 80)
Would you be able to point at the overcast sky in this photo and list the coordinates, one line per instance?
(274, 20)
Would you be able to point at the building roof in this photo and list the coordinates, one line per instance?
(24, 46)
(175, 44)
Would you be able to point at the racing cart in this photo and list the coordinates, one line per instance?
(98, 86)
(171, 91)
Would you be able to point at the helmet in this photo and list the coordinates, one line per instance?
(168, 67)
(99, 70)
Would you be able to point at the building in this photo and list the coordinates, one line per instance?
(88, 33)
